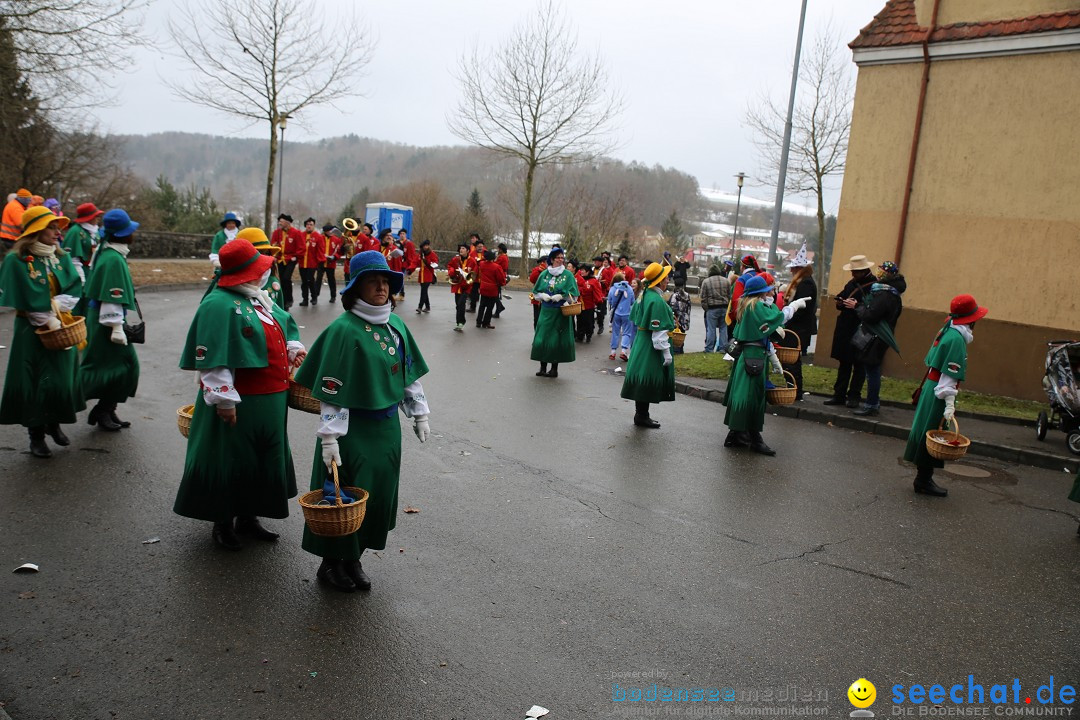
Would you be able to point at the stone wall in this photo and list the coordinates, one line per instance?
(152, 244)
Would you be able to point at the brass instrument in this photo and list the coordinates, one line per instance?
(350, 225)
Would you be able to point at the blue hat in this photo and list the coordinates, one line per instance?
(756, 286)
(231, 216)
(373, 261)
(116, 223)
(555, 251)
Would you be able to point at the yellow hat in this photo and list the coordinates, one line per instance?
(655, 273)
(257, 238)
(37, 218)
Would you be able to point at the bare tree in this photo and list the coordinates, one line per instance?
(268, 61)
(820, 128)
(536, 99)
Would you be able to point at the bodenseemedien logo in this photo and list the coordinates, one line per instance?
(862, 694)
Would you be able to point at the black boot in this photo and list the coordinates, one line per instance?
(330, 571)
(113, 416)
(925, 485)
(38, 448)
(225, 536)
(543, 370)
(736, 439)
(355, 572)
(249, 525)
(57, 435)
(554, 372)
(641, 416)
(102, 417)
(834, 400)
(757, 444)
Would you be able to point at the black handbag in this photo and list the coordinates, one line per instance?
(863, 338)
(754, 366)
(136, 332)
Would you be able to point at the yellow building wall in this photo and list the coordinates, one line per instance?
(955, 11)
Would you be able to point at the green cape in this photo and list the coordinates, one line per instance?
(78, 242)
(25, 286)
(227, 332)
(110, 280)
(758, 323)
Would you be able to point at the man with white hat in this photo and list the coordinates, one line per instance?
(847, 389)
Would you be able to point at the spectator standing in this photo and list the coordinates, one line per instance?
(878, 313)
(680, 308)
(11, 225)
(803, 325)
(850, 375)
(715, 296)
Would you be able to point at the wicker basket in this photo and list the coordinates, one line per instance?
(789, 355)
(300, 399)
(183, 419)
(572, 309)
(944, 445)
(677, 338)
(784, 395)
(64, 337)
(338, 519)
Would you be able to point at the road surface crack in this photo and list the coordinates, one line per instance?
(811, 551)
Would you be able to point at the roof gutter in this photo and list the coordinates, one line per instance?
(916, 135)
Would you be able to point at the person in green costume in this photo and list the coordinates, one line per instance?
(81, 237)
(946, 365)
(362, 368)
(756, 319)
(258, 239)
(230, 230)
(110, 367)
(38, 279)
(239, 466)
(650, 376)
(553, 338)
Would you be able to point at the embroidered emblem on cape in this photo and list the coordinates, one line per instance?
(655, 324)
(248, 332)
(200, 353)
(116, 293)
(953, 367)
(330, 385)
(376, 336)
(394, 369)
(275, 286)
(392, 351)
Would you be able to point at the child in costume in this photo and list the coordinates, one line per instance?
(362, 368)
(110, 367)
(650, 376)
(42, 388)
(239, 465)
(946, 364)
(621, 300)
(553, 339)
(756, 320)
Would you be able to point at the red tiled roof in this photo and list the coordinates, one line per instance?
(896, 25)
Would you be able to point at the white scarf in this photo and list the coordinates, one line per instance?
(556, 271)
(965, 331)
(91, 228)
(378, 314)
(121, 248)
(231, 234)
(45, 252)
(255, 291)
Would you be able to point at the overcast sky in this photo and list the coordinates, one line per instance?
(687, 68)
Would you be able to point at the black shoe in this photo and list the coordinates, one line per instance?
(304, 303)
(100, 416)
(249, 525)
(757, 444)
(836, 401)
(645, 422)
(541, 373)
(225, 536)
(418, 311)
(925, 485)
(287, 306)
(38, 448)
(867, 411)
(332, 299)
(736, 439)
(496, 316)
(57, 435)
(553, 373)
(355, 572)
(117, 420)
(427, 309)
(854, 403)
(331, 572)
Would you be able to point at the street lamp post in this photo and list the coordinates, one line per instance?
(738, 202)
(281, 160)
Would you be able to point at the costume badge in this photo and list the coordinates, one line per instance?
(394, 369)
(377, 338)
(275, 286)
(367, 328)
(330, 385)
(655, 324)
(116, 293)
(392, 351)
(200, 353)
(248, 332)
(953, 367)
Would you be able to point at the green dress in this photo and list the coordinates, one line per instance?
(745, 396)
(647, 378)
(246, 469)
(110, 372)
(948, 354)
(42, 386)
(553, 340)
(79, 243)
(357, 365)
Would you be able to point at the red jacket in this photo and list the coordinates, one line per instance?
(504, 262)
(411, 261)
(591, 292)
(457, 282)
(291, 246)
(492, 277)
(628, 273)
(535, 273)
(395, 262)
(334, 251)
(312, 253)
(427, 273)
(364, 243)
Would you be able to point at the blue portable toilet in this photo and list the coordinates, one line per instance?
(389, 215)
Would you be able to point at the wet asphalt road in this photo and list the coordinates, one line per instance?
(557, 550)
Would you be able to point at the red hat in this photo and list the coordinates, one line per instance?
(241, 263)
(87, 212)
(964, 310)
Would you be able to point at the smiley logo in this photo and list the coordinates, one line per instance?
(862, 693)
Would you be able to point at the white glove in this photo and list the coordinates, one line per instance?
(118, 335)
(542, 297)
(781, 332)
(950, 408)
(557, 297)
(421, 427)
(728, 357)
(774, 363)
(799, 304)
(330, 452)
(53, 323)
(667, 357)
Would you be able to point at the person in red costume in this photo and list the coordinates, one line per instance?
(290, 243)
(429, 261)
(750, 268)
(492, 278)
(541, 266)
(462, 272)
(334, 252)
(310, 258)
(411, 260)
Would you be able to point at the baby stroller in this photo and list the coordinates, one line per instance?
(1062, 385)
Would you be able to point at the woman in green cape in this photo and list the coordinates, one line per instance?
(756, 319)
(110, 367)
(362, 368)
(238, 465)
(38, 279)
(650, 376)
(946, 364)
(553, 339)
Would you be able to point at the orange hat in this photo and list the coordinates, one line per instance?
(36, 200)
(23, 193)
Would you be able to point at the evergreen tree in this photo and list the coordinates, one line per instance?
(475, 206)
(624, 247)
(24, 130)
(672, 230)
